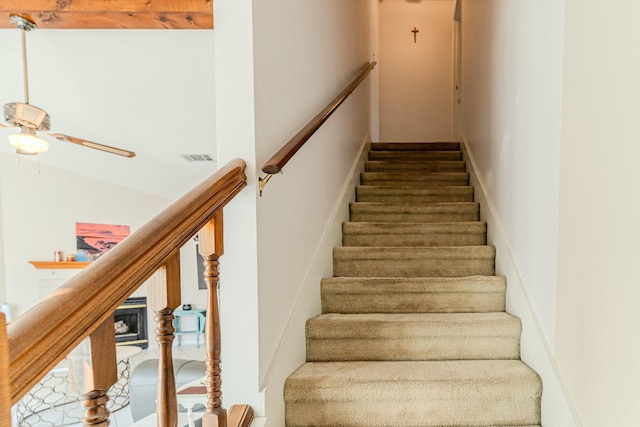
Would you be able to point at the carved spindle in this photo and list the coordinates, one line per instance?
(92, 371)
(5, 391)
(211, 248)
(95, 408)
(164, 298)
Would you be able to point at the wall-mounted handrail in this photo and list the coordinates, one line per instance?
(45, 334)
(278, 160)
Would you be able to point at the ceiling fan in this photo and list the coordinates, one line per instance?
(30, 119)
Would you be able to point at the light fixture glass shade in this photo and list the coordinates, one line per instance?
(26, 142)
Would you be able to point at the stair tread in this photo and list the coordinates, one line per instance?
(412, 146)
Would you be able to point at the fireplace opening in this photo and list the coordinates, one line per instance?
(130, 322)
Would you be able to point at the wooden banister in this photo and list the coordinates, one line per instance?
(44, 335)
(211, 249)
(5, 401)
(278, 160)
(164, 297)
(93, 372)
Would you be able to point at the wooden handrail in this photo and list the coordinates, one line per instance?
(44, 335)
(278, 160)
(5, 406)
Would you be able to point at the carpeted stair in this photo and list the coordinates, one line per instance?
(414, 330)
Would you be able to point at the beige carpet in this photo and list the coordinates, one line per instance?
(413, 331)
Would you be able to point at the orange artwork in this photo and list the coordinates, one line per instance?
(93, 240)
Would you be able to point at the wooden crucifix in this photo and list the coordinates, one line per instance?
(415, 32)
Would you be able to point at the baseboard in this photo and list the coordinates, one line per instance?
(291, 350)
(557, 407)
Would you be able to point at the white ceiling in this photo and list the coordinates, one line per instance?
(149, 91)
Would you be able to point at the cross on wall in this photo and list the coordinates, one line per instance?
(415, 32)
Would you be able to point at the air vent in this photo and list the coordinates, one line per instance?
(199, 157)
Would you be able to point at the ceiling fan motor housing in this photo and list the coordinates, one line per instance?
(26, 115)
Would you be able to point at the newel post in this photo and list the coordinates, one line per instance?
(211, 248)
(92, 371)
(5, 390)
(164, 297)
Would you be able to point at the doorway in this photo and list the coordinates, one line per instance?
(416, 70)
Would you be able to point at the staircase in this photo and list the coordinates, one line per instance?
(414, 330)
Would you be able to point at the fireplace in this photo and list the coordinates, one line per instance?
(130, 322)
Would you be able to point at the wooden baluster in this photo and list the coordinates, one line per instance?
(164, 297)
(211, 248)
(92, 371)
(5, 391)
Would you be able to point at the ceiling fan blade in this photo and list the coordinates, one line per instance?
(6, 126)
(91, 144)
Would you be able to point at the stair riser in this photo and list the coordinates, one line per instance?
(333, 338)
(444, 179)
(416, 262)
(477, 407)
(398, 235)
(413, 195)
(373, 212)
(427, 167)
(392, 240)
(415, 155)
(425, 295)
(415, 146)
(444, 400)
(436, 348)
(413, 303)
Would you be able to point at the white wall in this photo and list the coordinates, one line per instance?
(3, 288)
(295, 77)
(598, 344)
(279, 63)
(511, 96)
(416, 78)
(235, 132)
(511, 122)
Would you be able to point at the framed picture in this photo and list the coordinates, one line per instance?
(94, 240)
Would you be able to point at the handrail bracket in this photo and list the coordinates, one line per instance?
(262, 182)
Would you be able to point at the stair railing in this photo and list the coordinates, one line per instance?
(275, 164)
(83, 308)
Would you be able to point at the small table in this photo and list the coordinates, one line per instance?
(191, 394)
(201, 317)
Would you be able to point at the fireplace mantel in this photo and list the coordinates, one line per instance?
(59, 264)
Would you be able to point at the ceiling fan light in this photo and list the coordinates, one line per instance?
(26, 142)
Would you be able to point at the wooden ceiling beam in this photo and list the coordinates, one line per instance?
(111, 14)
